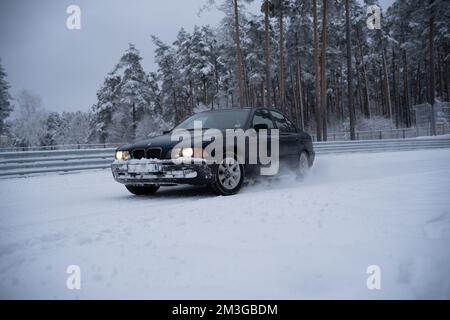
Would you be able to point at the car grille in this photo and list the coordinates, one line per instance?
(152, 153)
(138, 154)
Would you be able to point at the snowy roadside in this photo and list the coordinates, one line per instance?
(279, 239)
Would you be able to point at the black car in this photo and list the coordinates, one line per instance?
(145, 166)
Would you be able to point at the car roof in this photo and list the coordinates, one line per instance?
(245, 108)
(226, 109)
(236, 109)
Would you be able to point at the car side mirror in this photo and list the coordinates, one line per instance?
(167, 131)
(261, 126)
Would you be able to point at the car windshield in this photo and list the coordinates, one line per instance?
(226, 119)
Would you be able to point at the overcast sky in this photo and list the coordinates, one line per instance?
(67, 67)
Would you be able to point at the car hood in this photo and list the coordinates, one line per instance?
(164, 142)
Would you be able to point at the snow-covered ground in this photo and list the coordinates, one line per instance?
(278, 239)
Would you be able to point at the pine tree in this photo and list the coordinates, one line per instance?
(254, 60)
(123, 100)
(74, 128)
(171, 81)
(52, 125)
(134, 95)
(107, 98)
(185, 62)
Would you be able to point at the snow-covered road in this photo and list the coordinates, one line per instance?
(279, 239)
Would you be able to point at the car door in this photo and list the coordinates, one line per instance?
(289, 139)
(262, 116)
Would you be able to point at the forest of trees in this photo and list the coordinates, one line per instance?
(315, 60)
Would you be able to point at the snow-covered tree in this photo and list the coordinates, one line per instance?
(52, 126)
(292, 56)
(74, 128)
(28, 127)
(5, 101)
(125, 97)
(107, 98)
(174, 98)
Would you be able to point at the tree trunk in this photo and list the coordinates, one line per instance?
(366, 107)
(395, 90)
(341, 95)
(380, 93)
(191, 96)
(267, 51)
(432, 88)
(247, 89)
(205, 92)
(359, 87)
(274, 92)
(446, 73)
(387, 90)
(298, 77)
(334, 103)
(323, 71)
(134, 121)
(317, 73)
(440, 73)
(281, 66)
(300, 95)
(351, 108)
(175, 107)
(406, 89)
(240, 75)
(419, 99)
(295, 111)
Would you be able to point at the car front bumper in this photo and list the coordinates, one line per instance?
(161, 172)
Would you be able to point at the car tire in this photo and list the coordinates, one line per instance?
(228, 177)
(303, 165)
(142, 190)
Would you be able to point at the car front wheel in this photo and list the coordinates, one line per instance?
(142, 191)
(229, 176)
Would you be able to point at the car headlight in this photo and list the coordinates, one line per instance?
(122, 155)
(190, 153)
(187, 152)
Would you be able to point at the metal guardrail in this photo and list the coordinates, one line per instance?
(33, 162)
(62, 147)
(36, 162)
(402, 133)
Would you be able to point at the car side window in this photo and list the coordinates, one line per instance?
(262, 117)
(282, 123)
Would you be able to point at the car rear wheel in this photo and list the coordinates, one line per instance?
(303, 165)
(229, 176)
(142, 191)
